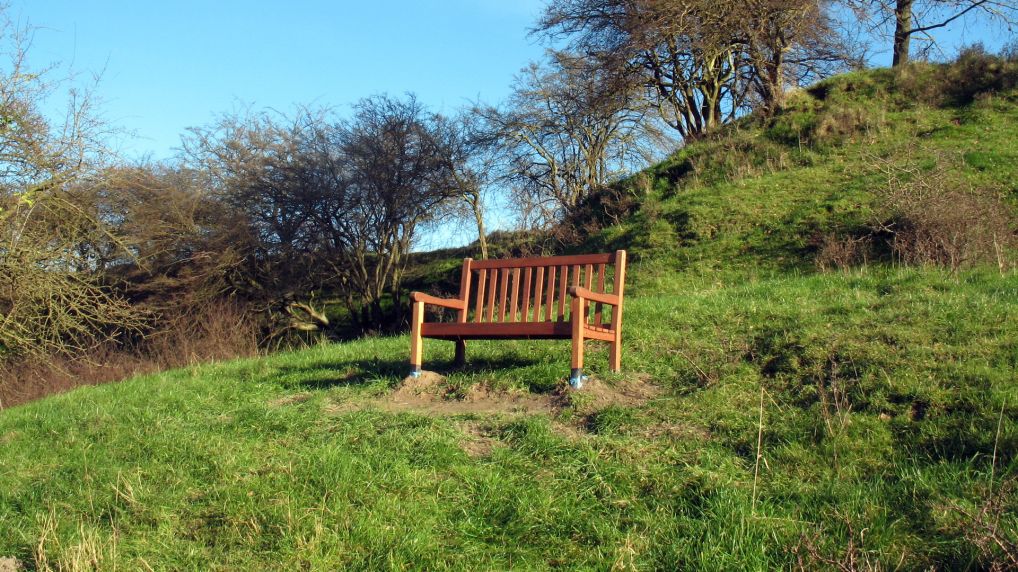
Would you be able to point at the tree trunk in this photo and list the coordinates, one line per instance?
(776, 89)
(482, 237)
(377, 315)
(397, 310)
(902, 31)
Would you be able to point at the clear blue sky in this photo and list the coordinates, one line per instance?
(168, 65)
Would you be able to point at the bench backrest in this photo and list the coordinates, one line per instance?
(536, 289)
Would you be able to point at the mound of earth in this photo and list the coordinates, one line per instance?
(431, 394)
(596, 395)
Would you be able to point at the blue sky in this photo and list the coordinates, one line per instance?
(170, 65)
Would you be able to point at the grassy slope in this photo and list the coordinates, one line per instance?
(883, 389)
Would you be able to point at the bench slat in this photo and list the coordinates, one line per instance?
(588, 281)
(466, 276)
(492, 285)
(538, 291)
(549, 308)
(503, 285)
(600, 288)
(526, 294)
(452, 330)
(514, 297)
(479, 306)
(563, 281)
(576, 275)
(532, 330)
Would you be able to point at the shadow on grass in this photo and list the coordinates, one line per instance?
(365, 371)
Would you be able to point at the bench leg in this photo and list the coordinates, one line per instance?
(461, 353)
(576, 376)
(615, 355)
(416, 341)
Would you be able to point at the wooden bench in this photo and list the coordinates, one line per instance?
(525, 298)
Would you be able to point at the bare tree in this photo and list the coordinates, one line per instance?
(177, 245)
(469, 156)
(567, 131)
(332, 206)
(259, 166)
(787, 43)
(677, 51)
(52, 299)
(904, 20)
(392, 171)
(698, 59)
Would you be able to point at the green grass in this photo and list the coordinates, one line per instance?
(757, 200)
(882, 391)
(212, 467)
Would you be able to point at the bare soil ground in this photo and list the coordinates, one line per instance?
(292, 399)
(478, 440)
(430, 394)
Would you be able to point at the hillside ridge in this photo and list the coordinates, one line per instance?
(804, 408)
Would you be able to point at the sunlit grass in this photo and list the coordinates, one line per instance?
(213, 466)
(889, 400)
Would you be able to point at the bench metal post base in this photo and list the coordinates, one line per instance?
(576, 378)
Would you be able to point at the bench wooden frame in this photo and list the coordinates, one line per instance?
(525, 298)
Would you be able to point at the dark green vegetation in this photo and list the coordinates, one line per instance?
(888, 394)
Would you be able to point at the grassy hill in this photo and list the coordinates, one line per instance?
(768, 415)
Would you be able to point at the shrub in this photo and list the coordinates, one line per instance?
(818, 127)
(935, 218)
(835, 251)
(928, 215)
(216, 331)
(522, 243)
(1010, 51)
(977, 72)
(841, 123)
(606, 206)
(992, 529)
(792, 128)
(974, 73)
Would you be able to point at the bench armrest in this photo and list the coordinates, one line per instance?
(454, 303)
(580, 292)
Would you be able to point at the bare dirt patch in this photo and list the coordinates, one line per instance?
(572, 431)
(597, 395)
(676, 431)
(431, 394)
(478, 441)
(290, 399)
(10, 565)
